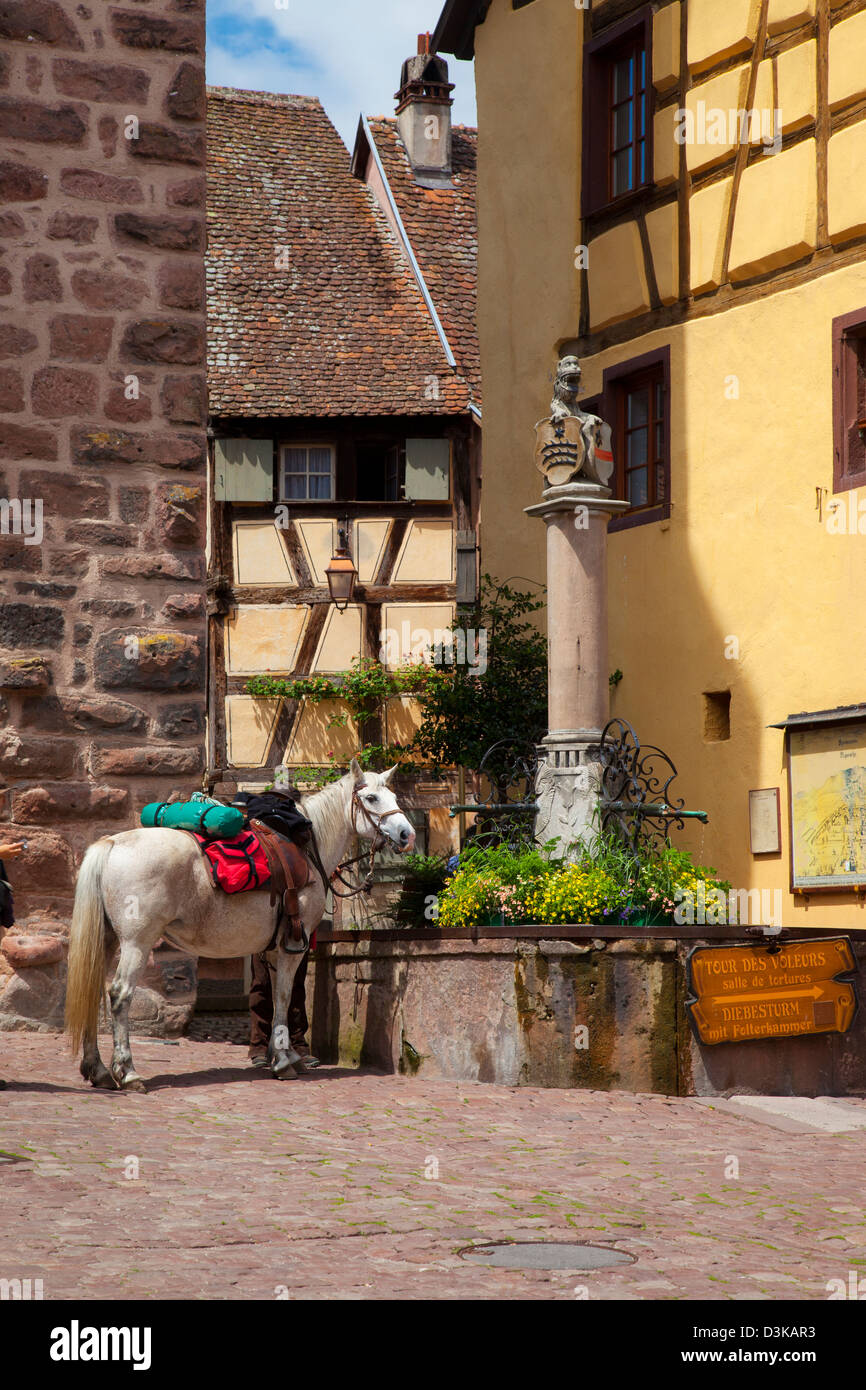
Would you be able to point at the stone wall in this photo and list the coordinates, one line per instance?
(513, 1011)
(504, 1011)
(102, 443)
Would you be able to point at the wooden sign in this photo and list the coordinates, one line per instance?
(741, 993)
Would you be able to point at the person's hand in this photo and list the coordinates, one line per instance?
(10, 850)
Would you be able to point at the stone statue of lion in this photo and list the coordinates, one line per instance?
(597, 463)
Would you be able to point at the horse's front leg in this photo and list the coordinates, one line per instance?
(282, 1054)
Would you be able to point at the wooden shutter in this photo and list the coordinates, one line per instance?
(428, 468)
(849, 401)
(467, 567)
(243, 470)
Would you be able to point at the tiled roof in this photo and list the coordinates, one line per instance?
(342, 328)
(442, 227)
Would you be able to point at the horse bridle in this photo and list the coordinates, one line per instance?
(375, 819)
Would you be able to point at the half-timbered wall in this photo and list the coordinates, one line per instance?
(744, 273)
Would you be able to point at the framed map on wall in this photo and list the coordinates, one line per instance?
(827, 780)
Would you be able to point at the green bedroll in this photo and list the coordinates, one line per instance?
(205, 818)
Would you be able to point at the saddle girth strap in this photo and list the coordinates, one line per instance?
(290, 872)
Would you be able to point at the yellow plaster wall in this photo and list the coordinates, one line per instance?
(742, 557)
(369, 537)
(666, 150)
(528, 81)
(263, 638)
(409, 630)
(312, 742)
(722, 94)
(776, 220)
(719, 29)
(260, 556)
(708, 211)
(250, 725)
(427, 554)
(666, 47)
(846, 182)
(788, 14)
(319, 540)
(340, 641)
(847, 61)
(403, 719)
(798, 85)
(661, 225)
(617, 277)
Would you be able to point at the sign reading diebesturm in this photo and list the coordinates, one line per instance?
(740, 993)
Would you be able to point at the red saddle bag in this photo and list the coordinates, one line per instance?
(238, 865)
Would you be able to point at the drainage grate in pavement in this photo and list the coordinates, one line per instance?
(545, 1254)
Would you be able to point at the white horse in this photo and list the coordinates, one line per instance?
(141, 885)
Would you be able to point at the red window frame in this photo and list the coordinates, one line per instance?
(650, 371)
(629, 40)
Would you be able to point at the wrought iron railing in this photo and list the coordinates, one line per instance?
(635, 801)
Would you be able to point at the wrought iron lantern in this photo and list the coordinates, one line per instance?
(341, 575)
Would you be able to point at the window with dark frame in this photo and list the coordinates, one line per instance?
(635, 401)
(617, 112)
(640, 433)
(627, 100)
(849, 401)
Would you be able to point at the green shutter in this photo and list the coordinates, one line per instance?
(428, 470)
(243, 470)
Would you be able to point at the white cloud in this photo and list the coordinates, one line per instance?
(347, 53)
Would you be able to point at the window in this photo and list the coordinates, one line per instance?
(849, 401)
(307, 473)
(636, 403)
(617, 113)
(378, 475)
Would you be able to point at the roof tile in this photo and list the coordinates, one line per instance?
(313, 309)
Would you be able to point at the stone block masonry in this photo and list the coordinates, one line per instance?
(102, 445)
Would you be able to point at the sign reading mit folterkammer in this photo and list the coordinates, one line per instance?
(745, 993)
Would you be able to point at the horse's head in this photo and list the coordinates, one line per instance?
(376, 812)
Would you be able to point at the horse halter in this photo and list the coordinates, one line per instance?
(374, 817)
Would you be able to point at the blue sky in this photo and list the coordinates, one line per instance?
(345, 52)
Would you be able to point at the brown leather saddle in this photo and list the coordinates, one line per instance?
(290, 873)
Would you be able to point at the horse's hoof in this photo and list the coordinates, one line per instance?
(283, 1070)
(103, 1081)
(133, 1083)
(98, 1076)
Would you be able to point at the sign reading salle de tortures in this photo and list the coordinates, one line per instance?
(740, 993)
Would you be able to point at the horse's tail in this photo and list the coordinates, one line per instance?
(86, 971)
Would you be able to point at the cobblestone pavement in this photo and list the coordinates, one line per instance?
(317, 1186)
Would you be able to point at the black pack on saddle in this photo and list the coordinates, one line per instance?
(278, 811)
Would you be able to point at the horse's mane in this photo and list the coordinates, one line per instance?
(327, 810)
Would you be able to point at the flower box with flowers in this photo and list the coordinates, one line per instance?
(604, 886)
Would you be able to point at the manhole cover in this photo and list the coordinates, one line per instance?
(541, 1254)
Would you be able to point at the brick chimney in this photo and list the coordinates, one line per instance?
(424, 115)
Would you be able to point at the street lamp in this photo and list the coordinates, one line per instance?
(341, 575)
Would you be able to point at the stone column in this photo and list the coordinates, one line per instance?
(576, 515)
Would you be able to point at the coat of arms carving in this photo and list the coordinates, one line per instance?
(571, 443)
